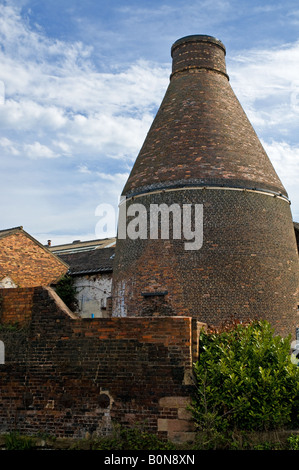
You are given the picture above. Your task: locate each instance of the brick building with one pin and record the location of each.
(24, 262)
(202, 150)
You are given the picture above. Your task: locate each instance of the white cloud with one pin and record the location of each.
(285, 159)
(53, 90)
(84, 169)
(25, 114)
(37, 150)
(108, 134)
(266, 83)
(8, 147)
(120, 177)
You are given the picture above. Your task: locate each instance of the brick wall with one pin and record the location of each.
(28, 263)
(16, 305)
(245, 268)
(69, 376)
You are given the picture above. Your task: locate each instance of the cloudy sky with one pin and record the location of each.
(81, 81)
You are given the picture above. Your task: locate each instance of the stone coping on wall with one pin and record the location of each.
(40, 306)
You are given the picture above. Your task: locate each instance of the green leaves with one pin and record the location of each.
(246, 380)
(67, 292)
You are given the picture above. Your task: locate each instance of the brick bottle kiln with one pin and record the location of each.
(201, 149)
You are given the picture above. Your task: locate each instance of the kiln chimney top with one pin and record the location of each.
(201, 135)
(198, 38)
(198, 51)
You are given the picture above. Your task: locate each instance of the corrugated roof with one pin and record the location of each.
(78, 246)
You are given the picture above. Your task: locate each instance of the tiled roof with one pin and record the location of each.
(9, 231)
(89, 262)
(19, 229)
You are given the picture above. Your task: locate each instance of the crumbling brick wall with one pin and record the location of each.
(69, 376)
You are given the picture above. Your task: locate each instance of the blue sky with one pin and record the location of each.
(80, 83)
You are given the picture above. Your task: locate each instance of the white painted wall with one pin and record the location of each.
(2, 353)
(7, 283)
(119, 308)
(92, 293)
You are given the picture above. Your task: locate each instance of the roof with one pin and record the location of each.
(14, 230)
(78, 246)
(10, 231)
(89, 262)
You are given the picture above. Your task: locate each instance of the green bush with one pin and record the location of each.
(14, 441)
(134, 438)
(293, 442)
(67, 292)
(245, 380)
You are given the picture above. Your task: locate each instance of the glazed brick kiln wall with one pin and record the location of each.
(27, 263)
(69, 376)
(244, 270)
